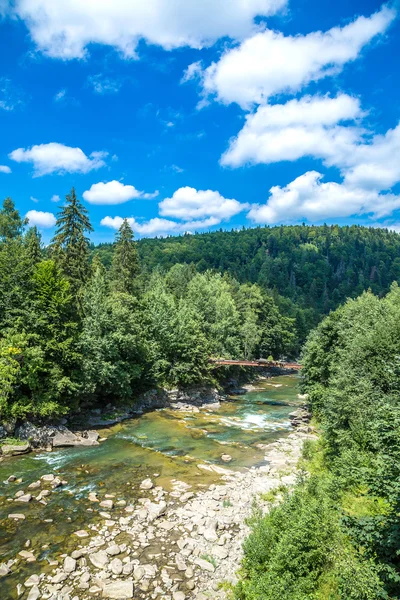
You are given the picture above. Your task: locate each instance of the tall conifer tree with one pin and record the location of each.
(125, 264)
(70, 245)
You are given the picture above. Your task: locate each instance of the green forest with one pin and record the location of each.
(337, 536)
(75, 333)
(308, 270)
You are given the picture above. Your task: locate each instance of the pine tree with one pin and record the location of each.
(70, 246)
(11, 224)
(33, 245)
(125, 264)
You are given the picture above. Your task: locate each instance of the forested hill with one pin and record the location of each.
(315, 267)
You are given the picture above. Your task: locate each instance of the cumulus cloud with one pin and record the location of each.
(65, 29)
(305, 127)
(307, 197)
(159, 227)
(57, 158)
(114, 192)
(374, 164)
(41, 219)
(5, 169)
(187, 203)
(55, 198)
(269, 63)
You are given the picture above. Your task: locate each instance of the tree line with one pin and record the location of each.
(337, 536)
(309, 270)
(75, 332)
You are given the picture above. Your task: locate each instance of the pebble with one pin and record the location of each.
(146, 484)
(69, 564)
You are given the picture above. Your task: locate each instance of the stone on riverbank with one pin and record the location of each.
(15, 449)
(118, 590)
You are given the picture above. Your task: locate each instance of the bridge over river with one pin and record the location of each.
(220, 362)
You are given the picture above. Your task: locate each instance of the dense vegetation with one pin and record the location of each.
(309, 270)
(73, 333)
(338, 535)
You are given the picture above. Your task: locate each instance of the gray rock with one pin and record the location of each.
(24, 498)
(116, 566)
(113, 550)
(156, 510)
(118, 590)
(32, 580)
(11, 478)
(146, 484)
(107, 504)
(204, 565)
(17, 516)
(178, 596)
(99, 559)
(69, 564)
(4, 570)
(14, 450)
(34, 593)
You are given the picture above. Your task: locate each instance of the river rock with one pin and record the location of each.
(34, 593)
(69, 564)
(226, 457)
(14, 450)
(116, 566)
(118, 590)
(113, 550)
(146, 484)
(108, 504)
(24, 498)
(204, 565)
(32, 580)
(99, 559)
(17, 516)
(4, 570)
(156, 510)
(178, 596)
(81, 533)
(34, 485)
(28, 556)
(11, 478)
(64, 437)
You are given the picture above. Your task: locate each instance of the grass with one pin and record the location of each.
(209, 559)
(12, 442)
(227, 503)
(271, 496)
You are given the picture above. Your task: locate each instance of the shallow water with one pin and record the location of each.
(168, 443)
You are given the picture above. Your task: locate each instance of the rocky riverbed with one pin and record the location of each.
(99, 530)
(170, 545)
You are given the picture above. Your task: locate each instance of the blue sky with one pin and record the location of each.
(188, 116)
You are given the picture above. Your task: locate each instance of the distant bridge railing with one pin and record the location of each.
(262, 362)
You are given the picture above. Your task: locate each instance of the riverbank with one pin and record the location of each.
(169, 544)
(80, 429)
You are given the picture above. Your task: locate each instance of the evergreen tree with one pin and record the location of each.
(125, 264)
(11, 224)
(33, 244)
(70, 246)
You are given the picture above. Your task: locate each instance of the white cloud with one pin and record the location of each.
(114, 192)
(65, 29)
(307, 197)
(305, 127)
(374, 164)
(10, 96)
(60, 95)
(55, 198)
(269, 63)
(159, 227)
(104, 85)
(41, 219)
(5, 169)
(34, 199)
(57, 158)
(188, 203)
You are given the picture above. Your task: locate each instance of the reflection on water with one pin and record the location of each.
(169, 443)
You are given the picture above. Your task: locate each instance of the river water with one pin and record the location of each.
(165, 444)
